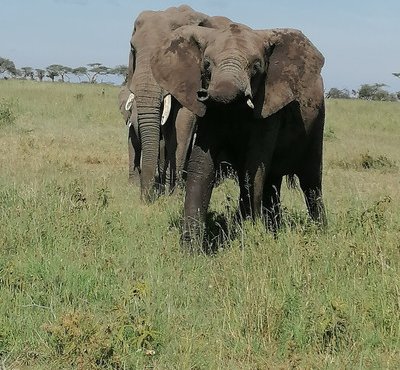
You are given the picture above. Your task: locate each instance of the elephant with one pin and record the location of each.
(158, 113)
(259, 99)
(129, 113)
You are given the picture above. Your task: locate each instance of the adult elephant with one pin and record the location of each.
(153, 104)
(259, 98)
(129, 113)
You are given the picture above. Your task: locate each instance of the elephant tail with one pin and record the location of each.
(291, 181)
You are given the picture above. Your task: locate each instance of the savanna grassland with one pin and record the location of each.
(90, 278)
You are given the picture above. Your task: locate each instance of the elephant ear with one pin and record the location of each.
(294, 66)
(131, 67)
(176, 66)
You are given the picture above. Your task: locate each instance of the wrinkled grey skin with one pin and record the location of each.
(259, 98)
(150, 30)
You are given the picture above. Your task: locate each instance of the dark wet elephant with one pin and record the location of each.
(259, 98)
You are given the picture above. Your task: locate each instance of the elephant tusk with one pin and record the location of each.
(166, 110)
(129, 102)
(250, 103)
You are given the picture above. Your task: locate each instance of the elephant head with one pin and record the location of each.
(153, 104)
(261, 70)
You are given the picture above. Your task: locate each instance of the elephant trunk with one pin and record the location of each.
(148, 106)
(229, 84)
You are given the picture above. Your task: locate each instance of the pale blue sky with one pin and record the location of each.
(359, 39)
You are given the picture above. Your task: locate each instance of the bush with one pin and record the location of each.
(335, 93)
(375, 92)
(7, 112)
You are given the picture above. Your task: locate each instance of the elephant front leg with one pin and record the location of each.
(251, 183)
(272, 203)
(184, 127)
(199, 185)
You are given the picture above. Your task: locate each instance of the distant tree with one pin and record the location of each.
(52, 72)
(120, 70)
(335, 93)
(59, 70)
(7, 67)
(79, 71)
(40, 74)
(396, 74)
(95, 70)
(375, 92)
(27, 72)
(91, 73)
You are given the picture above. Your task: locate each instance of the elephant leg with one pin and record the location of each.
(134, 153)
(168, 131)
(251, 184)
(257, 165)
(184, 128)
(310, 183)
(162, 166)
(310, 177)
(199, 185)
(272, 203)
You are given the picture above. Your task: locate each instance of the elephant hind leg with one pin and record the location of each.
(272, 203)
(310, 183)
(134, 154)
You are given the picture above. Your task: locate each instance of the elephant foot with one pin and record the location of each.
(192, 239)
(133, 178)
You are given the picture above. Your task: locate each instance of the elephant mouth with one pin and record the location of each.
(211, 98)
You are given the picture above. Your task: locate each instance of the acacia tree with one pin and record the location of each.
(59, 70)
(375, 92)
(91, 73)
(52, 72)
(95, 70)
(121, 70)
(335, 93)
(7, 67)
(79, 71)
(40, 73)
(27, 72)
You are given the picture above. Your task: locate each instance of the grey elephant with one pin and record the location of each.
(259, 98)
(129, 114)
(158, 113)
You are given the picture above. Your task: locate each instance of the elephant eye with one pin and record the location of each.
(256, 68)
(207, 69)
(206, 65)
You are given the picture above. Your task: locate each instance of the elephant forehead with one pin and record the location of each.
(241, 39)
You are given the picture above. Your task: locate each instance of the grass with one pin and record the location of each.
(90, 278)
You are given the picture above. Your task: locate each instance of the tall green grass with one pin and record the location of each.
(90, 278)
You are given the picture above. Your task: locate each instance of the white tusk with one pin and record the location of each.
(166, 110)
(129, 124)
(250, 103)
(129, 102)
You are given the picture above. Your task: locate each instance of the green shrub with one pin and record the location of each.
(7, 112)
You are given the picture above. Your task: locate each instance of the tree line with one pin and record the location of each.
(375, 91)
(92, 71)
(89, 73)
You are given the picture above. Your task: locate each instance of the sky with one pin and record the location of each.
(359, 38)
